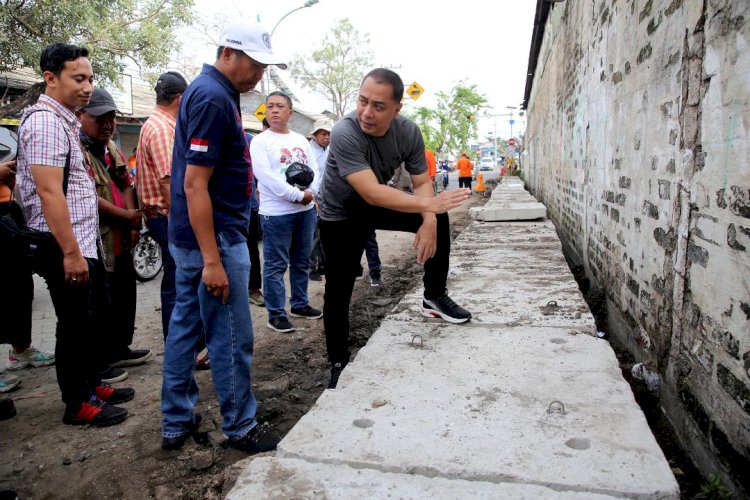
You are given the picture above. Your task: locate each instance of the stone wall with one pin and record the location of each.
(637, 142)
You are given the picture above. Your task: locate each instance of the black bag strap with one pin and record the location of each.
(66, 170)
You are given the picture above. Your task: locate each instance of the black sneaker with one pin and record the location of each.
(260, 438)
(280, 324)
(175, 443)
(134, 357)
(336, 370)
(112, 395)
(7, 409)
(315, 276)
(306, 312)
(445, 308)
(94, 412)
(375, 280)
(112, 375)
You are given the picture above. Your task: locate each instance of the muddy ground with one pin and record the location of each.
(41, 457)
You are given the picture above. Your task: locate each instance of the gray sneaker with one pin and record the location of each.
(256, 297)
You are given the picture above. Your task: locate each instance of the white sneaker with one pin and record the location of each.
(31, 356)
(8, 382)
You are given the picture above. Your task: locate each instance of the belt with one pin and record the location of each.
(152, 211)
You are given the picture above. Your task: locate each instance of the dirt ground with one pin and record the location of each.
(43, 458)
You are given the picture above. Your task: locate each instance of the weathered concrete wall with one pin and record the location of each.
(637, 142)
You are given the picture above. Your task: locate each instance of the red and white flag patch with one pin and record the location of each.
(200, 145)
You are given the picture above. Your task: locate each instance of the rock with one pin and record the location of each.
(18, 468)
(120, 434)
(28, 445)
(201, 460)
(81, 456)
(40, 468)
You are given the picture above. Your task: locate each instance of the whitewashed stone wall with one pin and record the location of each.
(637, 142)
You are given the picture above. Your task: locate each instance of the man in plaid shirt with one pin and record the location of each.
(59, 196)
(154, 166)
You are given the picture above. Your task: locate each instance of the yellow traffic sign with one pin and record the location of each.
(415, 90)
(260, 113)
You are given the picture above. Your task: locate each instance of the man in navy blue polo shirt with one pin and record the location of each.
(209, 215)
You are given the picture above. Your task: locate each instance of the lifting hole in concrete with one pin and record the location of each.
(414, 344)
(363, 423)
(552, 303)
(578, 443)
(556, 407)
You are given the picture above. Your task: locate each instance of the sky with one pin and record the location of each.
(435, 43)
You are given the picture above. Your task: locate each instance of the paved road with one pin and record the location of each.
(453, 178)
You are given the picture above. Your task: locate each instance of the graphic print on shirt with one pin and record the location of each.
(288, 157)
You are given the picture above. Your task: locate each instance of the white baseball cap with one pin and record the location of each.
(252, 39)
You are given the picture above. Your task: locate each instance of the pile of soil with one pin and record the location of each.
(43, 458)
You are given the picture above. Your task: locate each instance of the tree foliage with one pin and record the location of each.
(114, 31)
(453, 122)
(335, 69)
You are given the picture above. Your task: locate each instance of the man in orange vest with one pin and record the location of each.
(465, 169)
(431, 166)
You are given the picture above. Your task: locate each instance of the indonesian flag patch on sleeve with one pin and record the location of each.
(200, 145)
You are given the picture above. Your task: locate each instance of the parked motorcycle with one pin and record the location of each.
(147, 258)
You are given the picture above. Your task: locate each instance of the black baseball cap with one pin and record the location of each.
(171, 82)
(101, 103)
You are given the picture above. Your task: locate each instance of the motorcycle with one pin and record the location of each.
(147, 258)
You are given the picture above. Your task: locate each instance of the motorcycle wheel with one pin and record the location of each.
(147, 258)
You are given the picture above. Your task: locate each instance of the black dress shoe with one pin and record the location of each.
(175, 443)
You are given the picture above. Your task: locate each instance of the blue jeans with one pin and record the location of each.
(158, 227)
(287, 242)
(229, 338)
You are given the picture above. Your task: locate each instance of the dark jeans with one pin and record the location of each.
(120, 323)
(464, 182)
(79, 313)
(158, 227)
(253, 237)
(16, 295)
(373, 254)
(16, 291)
(317, 257)
(343, 244)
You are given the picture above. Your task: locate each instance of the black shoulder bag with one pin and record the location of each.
(17, 239)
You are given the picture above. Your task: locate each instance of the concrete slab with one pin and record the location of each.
(510, 211)
(515, 274)
(472, 403)
(283, 478)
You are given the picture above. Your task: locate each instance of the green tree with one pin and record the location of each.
(114, 31)
(452, 123)
(335, 69)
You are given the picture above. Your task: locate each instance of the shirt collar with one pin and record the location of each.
(217, 75)
(61, 110)
(164, 115)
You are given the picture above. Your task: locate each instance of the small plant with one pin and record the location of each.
(714, 489)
